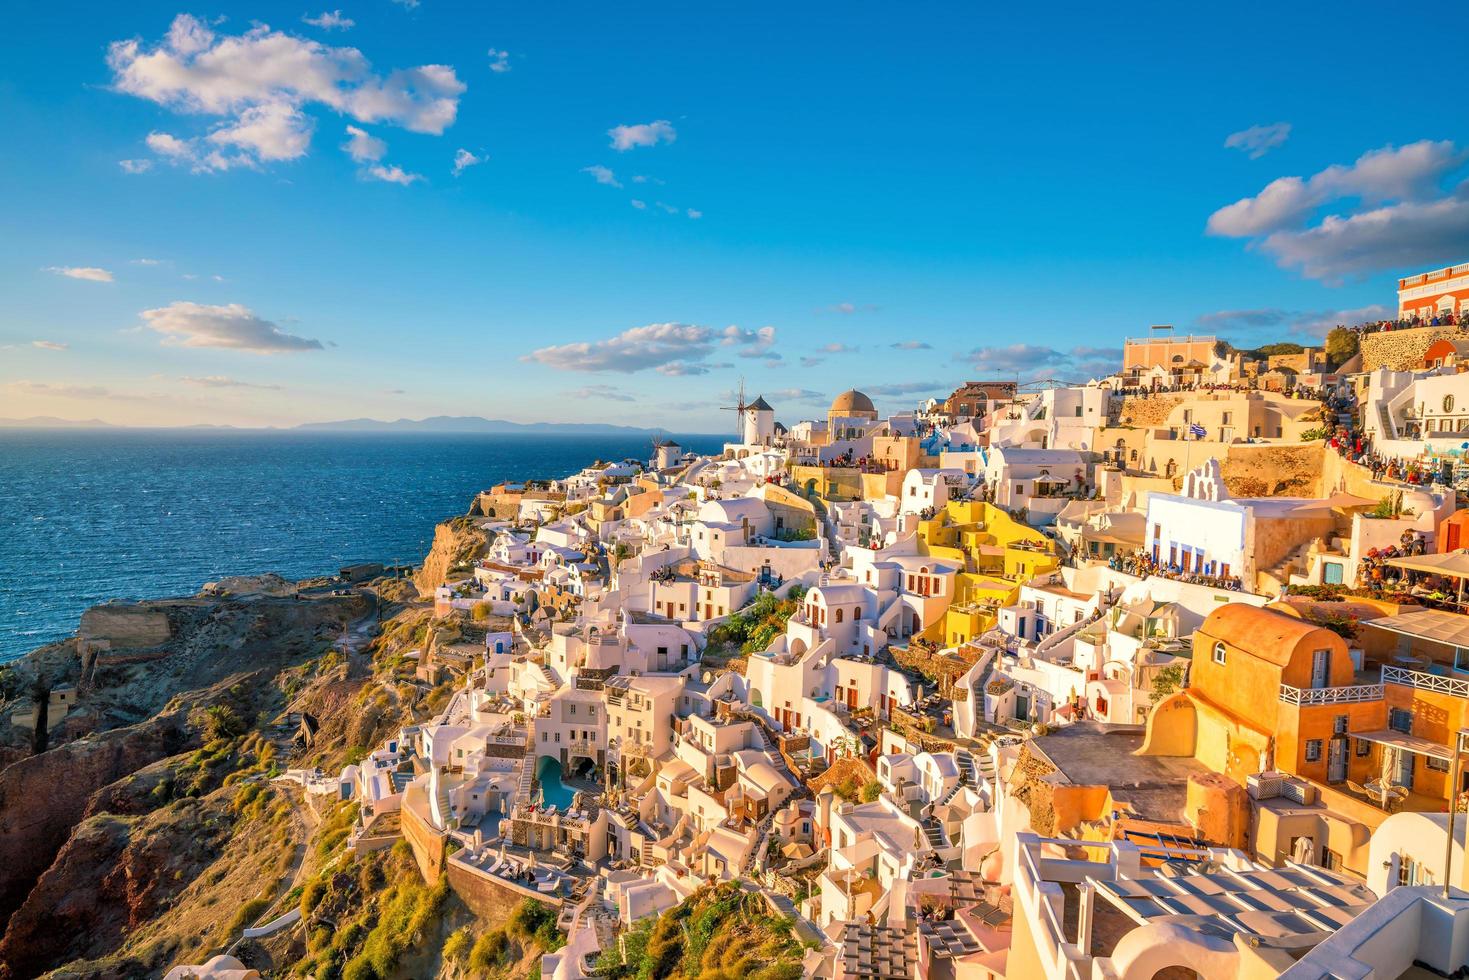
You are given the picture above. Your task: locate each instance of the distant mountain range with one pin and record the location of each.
(437, 423)
(51, 422)
(469, 423)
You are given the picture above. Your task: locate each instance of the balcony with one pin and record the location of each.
(1419, 680)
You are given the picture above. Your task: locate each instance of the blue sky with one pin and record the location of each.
(191, 233)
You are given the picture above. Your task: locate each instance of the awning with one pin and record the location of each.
(1434, 625)
(1454, 564)
(1408, 743)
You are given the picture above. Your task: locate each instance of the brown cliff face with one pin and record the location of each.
(455, 541)
(43, 797)
(89, 852)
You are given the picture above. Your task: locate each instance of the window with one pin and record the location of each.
(1313, 750)
(1339, 725)
(1364, 747)
(1219, 653)
(1228, 418)
(1400, 720)
(1436, 764)
(1019, 489)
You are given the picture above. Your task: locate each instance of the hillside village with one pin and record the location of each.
(1162, 674)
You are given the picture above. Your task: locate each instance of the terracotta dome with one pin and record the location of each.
(852, 402)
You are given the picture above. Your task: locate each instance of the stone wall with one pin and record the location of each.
(490, 897)
(426, 842)
(124, 627)
(1149, 412)
(1402, 350)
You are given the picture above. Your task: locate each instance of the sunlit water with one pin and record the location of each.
(94, 515)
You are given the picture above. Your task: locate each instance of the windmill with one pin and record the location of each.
(739, 410)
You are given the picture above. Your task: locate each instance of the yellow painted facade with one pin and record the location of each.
(997, 554)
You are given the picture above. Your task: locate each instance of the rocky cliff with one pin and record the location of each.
(456, 541)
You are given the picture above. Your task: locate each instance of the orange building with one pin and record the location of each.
(1270, 692)
(1430, 293)
(1183, 358)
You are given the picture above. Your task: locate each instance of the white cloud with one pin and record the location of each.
(89, 273)
(669, 348)
(1258, 140)
(259, 82)
(50, 345)
(811, 362)
(407, 4)
(147, 261)
(463, 160)
(602, 175)
(362, 146)
(640, 205)
(787, 395)
(901, 388)
(1077, 364)
(391, 174)
(135, 166)
(1394, 213)
(499, 61)
(223, 381)
(911, 345)
(642, 134)
(331, 20)
(694, 214)
(665, 208)
(233, 327)
(835, 348)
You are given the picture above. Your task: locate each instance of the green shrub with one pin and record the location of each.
(458, 945)
(489, 951)
(247, 914)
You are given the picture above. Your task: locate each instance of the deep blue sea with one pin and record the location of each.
(87, 516)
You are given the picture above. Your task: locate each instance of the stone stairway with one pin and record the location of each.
(933, 832)
(762, 842)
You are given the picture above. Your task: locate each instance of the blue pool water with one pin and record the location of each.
(553, 791)
(87, 516)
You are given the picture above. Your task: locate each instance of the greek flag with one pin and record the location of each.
(1197, 431)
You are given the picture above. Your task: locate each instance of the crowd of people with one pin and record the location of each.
(1143, 565)
(1448, 318)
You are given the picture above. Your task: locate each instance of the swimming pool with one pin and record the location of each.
(553, 791)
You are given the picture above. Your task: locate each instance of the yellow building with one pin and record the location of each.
(998, 555)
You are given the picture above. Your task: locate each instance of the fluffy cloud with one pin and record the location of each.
(1078, 363)
(221, 381)
(607, 392)
(362, 146)
(911, 345)
(642, 134)
(88, 272)
(602, 175)
(463, 160)
(785, 395)
(135, 166)
(694, 213)
(233, 327)
(1394, 213)
(258, 84)
(50, 345)
(640, 205)
(391, 174)
(331, 20)
(499, 61)
(1313, 324)
(835, 348)
(901, 388)
(368, 150)
(675, 349)
(1257, 141)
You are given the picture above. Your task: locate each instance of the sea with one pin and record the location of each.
(92, 515)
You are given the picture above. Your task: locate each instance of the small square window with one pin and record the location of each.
(1313, 750)
(1364, 747)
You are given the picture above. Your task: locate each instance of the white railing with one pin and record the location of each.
(1330, 695)
(1424, 681)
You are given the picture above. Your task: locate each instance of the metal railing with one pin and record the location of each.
(1348, 694)
(1423, 681)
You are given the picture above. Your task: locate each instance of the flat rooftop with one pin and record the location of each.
(1094, 754)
